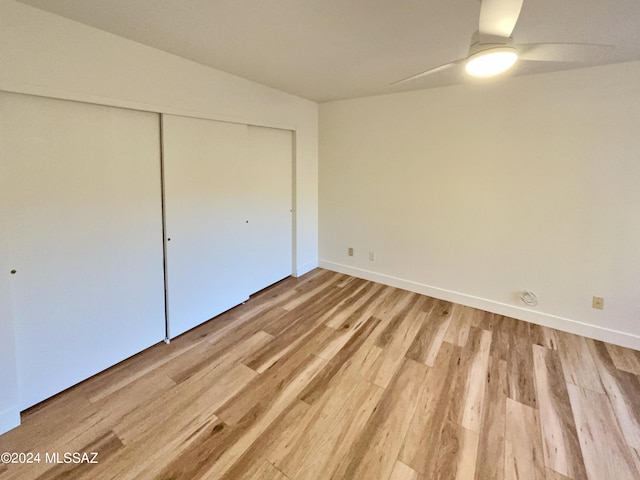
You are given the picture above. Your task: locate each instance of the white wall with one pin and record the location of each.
(473, 193)
(43, 54)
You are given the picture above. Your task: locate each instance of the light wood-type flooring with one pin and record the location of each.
(332, 377)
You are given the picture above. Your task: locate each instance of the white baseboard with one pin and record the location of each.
(565, 324)
(9, 419)
(306, 268)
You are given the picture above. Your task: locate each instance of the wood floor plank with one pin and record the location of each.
(223, 370)
(457, 453)
(319, 290)
(266, 445)
(350, 323)
(577, 362)
(394, 341)
(624, 358)
(235, 326)
(402, 471)
(133, 398)
(623, 391)
(339, 361)
(553, 475)
(560, 439)
(77, 436)
(103, 447)
(274, 320)
(340, 388)
(364, 358)
(490, 462)
(374, 453)
(422, 441)
(458, 330)
(543, 336)
(317, 305)
(523, 444)
(268, 472)
(395, 301)
(361, 305)
(209, 358)
(300, 323)
(282, 387)
(196, 397)
(606, 455)
(393, 329)
(161, 464)
(267, 356)
(325, 443)
(434, 326)
(319, 276)
(212, 458)
(173, 425)
(635, 454)
(500, 328)
(470, 381)
(241, 322)
(520, 364)
(269, 385)
(126, 373)
(50, 420)
(368, 356)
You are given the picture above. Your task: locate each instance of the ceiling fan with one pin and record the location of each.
(493, 50)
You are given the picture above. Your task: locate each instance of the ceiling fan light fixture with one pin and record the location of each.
(491, 61)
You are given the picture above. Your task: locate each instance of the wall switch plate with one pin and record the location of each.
(372, 256)
(350, 251)
(598, 303)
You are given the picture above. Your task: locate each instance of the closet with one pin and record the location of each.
(228, 202)
(127, 227)
(84, 231)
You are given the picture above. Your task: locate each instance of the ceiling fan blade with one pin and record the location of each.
(430, 72)
(499, 17)
(563, 52)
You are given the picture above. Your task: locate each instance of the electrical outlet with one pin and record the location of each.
(372, 256)
(350, 251)
(598, 303)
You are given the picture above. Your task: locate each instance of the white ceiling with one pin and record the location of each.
(332, 49)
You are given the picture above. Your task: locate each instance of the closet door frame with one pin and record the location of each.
(204, 220)
(272, 197)
(201, 161)
(142, 109)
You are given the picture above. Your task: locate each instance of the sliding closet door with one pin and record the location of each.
(269, 178)
(85, 237)
(207, 219)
